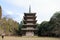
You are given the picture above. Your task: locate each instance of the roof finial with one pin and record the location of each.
(29, 9)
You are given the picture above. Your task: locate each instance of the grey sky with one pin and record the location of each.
(44, 8)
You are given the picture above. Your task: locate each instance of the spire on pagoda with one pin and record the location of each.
(29, 9)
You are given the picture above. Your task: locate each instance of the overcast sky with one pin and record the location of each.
(16, 8)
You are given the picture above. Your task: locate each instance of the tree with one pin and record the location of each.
(42, 29)
(18, 32)
(8, 26)
(50, 28)
(55, 21)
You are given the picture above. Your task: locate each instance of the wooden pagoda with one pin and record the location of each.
(29, 24)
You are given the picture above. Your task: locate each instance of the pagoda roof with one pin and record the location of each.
(28, 29)
(29, 24)
(29, 13)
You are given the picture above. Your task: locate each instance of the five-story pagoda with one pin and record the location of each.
(29, 24)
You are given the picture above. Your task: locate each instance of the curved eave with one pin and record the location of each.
(29, 29)
(29, 13)
(29, 16)
(29, 25)
(30, 20)
(25, 17)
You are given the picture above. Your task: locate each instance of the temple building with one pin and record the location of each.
(29, 24)
(0, 12)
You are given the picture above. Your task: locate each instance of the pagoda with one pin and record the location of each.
(29, 24)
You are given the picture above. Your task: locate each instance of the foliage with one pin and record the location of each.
(50, 28)
(18, 32)
(8, 26)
